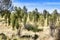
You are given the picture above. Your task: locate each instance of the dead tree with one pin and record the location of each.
(52, 28)
(57, 35)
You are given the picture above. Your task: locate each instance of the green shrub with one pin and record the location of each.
(15, 39)
(33, 28)
(4, 37)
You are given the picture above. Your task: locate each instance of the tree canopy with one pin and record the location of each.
(5, 4)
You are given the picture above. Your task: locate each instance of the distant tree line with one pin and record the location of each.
(22, 15)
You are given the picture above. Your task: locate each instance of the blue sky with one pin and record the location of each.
(49, 5)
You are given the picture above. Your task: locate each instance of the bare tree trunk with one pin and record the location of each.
(57, 37)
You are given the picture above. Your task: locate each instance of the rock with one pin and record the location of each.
(27, 33)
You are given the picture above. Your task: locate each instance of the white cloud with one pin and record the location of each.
(26, 4)
(40, 6)
(36, 4)
(51, 3)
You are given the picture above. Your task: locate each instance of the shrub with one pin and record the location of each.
(32, 28)
(15, 39)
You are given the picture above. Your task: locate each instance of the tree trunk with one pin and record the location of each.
(57, 37)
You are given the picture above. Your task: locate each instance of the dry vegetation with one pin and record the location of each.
(23, 25)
